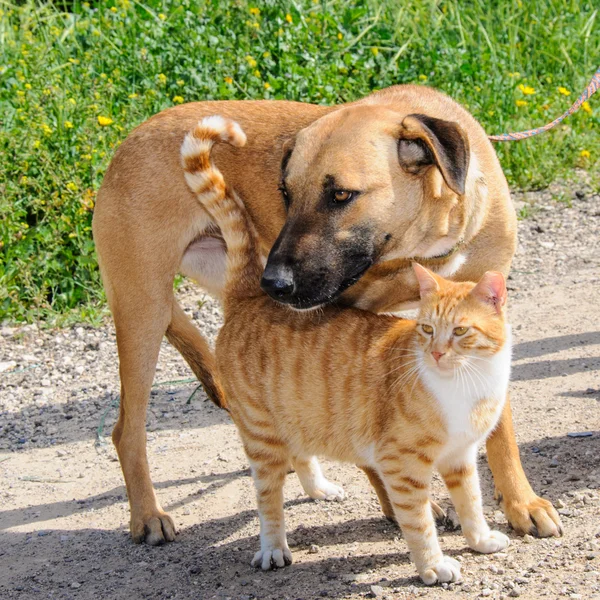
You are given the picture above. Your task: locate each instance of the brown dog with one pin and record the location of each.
(414, 177)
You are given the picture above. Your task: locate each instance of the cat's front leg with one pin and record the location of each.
(461, 479)
(408, 491)
(269, 472)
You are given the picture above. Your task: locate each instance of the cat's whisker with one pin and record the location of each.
(401, 366)
(406, 376)
(478, 372)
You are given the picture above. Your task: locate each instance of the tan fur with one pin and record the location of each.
(147, 221)
(344, 386)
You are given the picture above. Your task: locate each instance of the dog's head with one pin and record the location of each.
(361, 185)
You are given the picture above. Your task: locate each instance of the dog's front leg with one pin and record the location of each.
(524, 509)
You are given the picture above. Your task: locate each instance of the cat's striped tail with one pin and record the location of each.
(244, 268)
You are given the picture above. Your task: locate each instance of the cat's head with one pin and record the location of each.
(459, 322)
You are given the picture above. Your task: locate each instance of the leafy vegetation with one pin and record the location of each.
(76, 77)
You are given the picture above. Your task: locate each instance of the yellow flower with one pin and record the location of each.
(132, 96)
(527, 90)
(162, 16)
(266, 54)
(522, 103)
(585, 107)
(219, 61)
(72, 186)
(23, 180)
(491, 113)
(477, 89)
(267, 85)
(72, 101)
(20, 93)
(251, 62)
(36, 144)
(178, 99)
(340, 36)
(113, 9)
(288, 18)
(103, 75)
(104, 121)
(162, 78)
(68, 125)
(229, 80)
(74, 61)
(423, 77)
(28, 87)
(516, 75)
(46, 129)
(255, 11)
(180, 82)
(585, 154)
(375, 51)
(72, 234)
(86, 156)
(280, 31)
(564, 91)
(256, 73)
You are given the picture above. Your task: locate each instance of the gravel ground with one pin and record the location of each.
(64, 514)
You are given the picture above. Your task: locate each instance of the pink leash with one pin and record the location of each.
(591, 89)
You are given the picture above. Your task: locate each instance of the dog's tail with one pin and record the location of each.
(244, 269)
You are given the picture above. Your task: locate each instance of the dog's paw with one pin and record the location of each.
(154, 529)
(272, 558)
(491, 542)
(532, 514)
(446, 571)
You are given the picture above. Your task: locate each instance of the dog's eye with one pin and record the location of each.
(342, 196)
(285, 195)
(427, 329)
(460, 330)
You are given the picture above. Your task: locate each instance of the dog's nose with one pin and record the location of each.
(437, 355)
(278, 281)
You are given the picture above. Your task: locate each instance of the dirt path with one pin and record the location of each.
(64, 515)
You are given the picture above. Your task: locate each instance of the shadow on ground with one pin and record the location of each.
(206, 562)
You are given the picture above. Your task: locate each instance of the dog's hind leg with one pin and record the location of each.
(140, 327)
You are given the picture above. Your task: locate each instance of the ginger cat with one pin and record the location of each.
(401, 396)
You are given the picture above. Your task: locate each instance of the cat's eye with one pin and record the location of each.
(427, 329)
(342, 196)
(460, 330)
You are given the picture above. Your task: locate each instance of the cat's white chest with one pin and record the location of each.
(471, 404)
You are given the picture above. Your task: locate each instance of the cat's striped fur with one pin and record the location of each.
(403, 397)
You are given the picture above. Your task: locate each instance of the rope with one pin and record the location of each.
(591, 89)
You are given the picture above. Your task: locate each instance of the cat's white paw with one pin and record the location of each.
(446, 571)
(494, 541)
(325, 490)
(272, 558)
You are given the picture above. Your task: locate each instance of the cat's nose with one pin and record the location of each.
(278, 281)
(437, 355)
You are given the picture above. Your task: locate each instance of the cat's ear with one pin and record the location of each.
(427, 280)
(491, 289)
(426, 141)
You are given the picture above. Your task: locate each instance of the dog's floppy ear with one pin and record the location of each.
(426, 140)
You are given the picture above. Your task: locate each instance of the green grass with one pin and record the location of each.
(75, 78)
